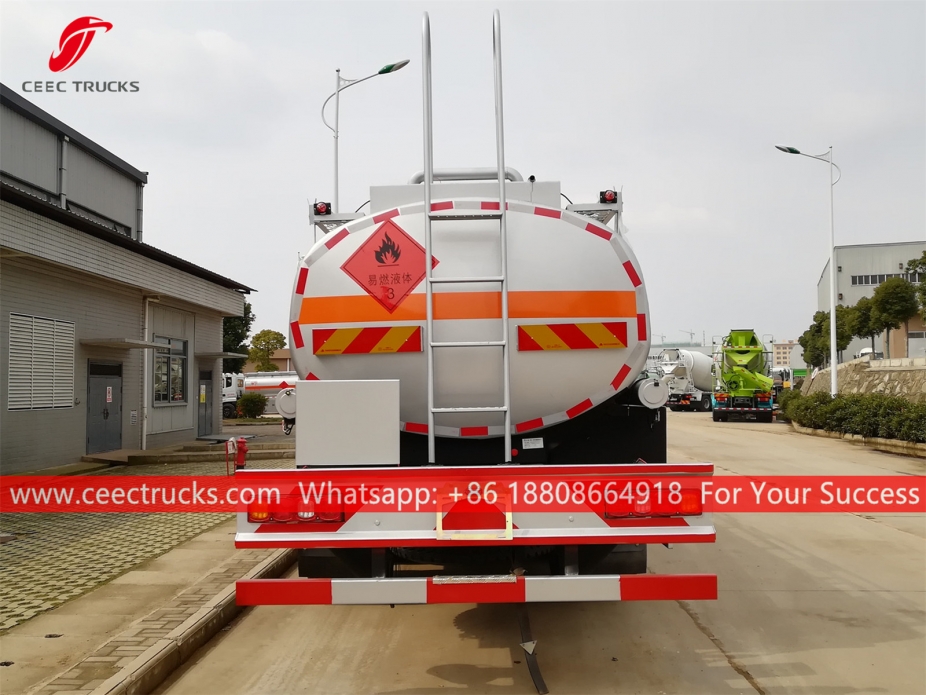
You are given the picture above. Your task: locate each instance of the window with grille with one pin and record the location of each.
(41, 363)
(170, 371)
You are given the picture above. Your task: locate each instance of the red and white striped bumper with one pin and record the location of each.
(483, 589)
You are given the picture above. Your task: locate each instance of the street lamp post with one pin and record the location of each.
(827, 157)
(340, 85)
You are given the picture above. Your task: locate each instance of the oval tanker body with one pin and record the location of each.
(578, 318)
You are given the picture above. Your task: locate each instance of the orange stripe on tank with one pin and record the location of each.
(472, 305)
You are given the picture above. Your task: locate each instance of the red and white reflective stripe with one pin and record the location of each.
(485, 589)
(752, 410)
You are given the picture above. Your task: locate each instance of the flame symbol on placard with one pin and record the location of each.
(75, 40)
(388, 253)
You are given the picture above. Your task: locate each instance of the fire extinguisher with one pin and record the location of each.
(241, 453)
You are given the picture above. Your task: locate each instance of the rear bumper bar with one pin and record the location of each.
(481, 589)
(724, 409)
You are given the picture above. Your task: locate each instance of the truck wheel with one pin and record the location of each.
(764, 417)
(705, 405)
(228, 410)
(717, 416)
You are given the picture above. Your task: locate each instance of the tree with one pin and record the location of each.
(864, 325)
(894, 303)
(235, 331)
(815, 348)
(845, 318)
(263, 345)
(816, 339)
(918, 265)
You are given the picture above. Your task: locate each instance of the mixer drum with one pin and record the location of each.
(578, 317)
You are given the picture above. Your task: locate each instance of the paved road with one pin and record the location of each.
(823, 604)
(53, 558)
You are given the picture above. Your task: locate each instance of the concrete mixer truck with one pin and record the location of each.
(742, 382)
(687, 374)
(473, 422)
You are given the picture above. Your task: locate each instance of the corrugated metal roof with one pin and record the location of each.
(27, 109)
(29, 201)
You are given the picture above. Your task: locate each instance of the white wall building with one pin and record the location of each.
(859, 270)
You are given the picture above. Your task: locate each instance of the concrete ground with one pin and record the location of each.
(817, 603)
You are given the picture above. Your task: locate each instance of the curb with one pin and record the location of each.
(152, 667)
(891, 446)
(208, 456)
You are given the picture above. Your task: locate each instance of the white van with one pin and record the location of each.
(864, 352)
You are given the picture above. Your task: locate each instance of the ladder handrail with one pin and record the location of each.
(428, 179)
(502, 206)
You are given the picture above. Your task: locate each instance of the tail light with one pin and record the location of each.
(692, 504)
(322, 208)
(329, 510)
(658, 504)
(306, 511)
(258, 512)
(620, 509)
(607, 197)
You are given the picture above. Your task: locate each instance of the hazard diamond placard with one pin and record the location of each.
(388, 265)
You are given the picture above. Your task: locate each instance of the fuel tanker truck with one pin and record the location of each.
(688, 376)
(473, 422)
(742, 382)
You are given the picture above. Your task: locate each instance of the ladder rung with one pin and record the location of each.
(494, 278)
(470, 343)
(484, 409)
(466, 216)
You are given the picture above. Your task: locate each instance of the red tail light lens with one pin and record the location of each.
(692, 504)
(331, 508)
(618, 509)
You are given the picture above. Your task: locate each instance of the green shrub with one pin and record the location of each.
(785, 401)
(252, 405)
(868, 415)
(912, 427)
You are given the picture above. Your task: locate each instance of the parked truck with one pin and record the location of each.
(232, 389)
(269, 384)
(472, 340)
(687, 375)
(742, 383)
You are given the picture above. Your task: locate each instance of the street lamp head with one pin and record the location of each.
(789, 150)
(392, 67)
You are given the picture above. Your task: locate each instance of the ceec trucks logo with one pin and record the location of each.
(74, 42)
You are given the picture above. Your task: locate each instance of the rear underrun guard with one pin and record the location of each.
(476, 589)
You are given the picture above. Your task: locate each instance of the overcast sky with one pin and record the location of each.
(678, 103)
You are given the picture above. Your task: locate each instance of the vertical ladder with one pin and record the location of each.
(431, 217)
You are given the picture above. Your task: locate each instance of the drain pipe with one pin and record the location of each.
(146, 375)
(63, 174)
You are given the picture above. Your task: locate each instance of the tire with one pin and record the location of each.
(717, 416)
(705, 405)
(765, 417)
(228, 410)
